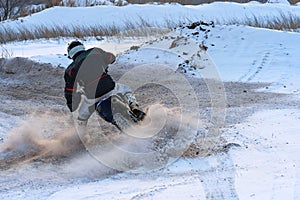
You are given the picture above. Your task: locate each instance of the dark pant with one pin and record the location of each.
(103, 108)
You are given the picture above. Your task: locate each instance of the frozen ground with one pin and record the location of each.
(256, 156)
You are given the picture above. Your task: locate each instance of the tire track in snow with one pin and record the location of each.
(219, 181)
(256, 69)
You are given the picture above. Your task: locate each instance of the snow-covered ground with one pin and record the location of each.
(264, 126)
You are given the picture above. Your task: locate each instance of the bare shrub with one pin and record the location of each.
(10, 9)
(293, 2)
(51, 3)
(187, 2)
(69, 3)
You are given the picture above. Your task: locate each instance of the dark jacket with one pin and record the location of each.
(89, 69)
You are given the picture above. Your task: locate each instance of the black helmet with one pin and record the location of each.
(75, 47)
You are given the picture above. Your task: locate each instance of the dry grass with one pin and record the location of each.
(284, 22)
(137, 29)
(8, 34)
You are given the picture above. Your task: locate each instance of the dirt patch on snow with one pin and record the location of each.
(30, 89)
(46, 146)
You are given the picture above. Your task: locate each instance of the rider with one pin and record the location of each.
(88, 75)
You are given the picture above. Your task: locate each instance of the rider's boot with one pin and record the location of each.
(140, 115)
(134, 107)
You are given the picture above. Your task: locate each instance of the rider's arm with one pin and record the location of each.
(72, 97)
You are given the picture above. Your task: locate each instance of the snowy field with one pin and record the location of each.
(260, 72)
